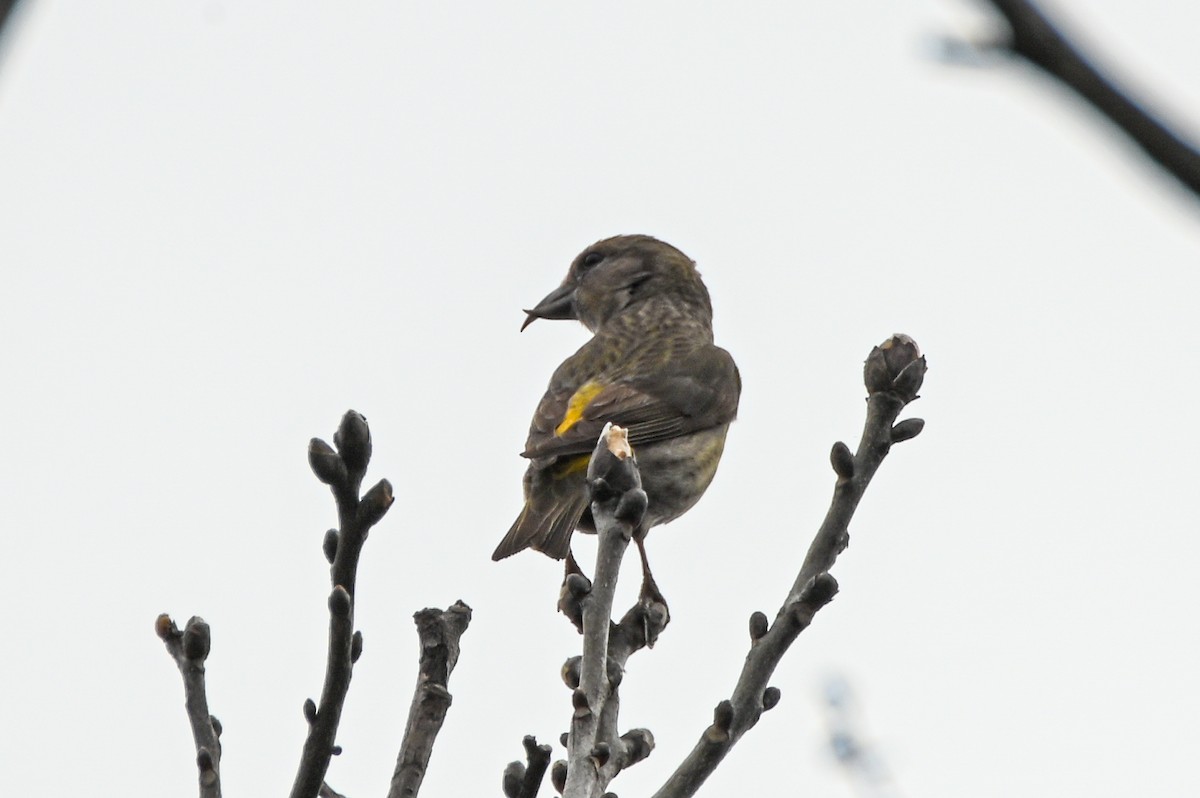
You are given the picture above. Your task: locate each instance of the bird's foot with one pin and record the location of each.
(655, 613)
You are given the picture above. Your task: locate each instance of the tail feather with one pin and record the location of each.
(516, 539)
(548, 531)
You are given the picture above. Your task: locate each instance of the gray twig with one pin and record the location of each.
(595, 753)
(189, 649)
(439, 632)
(893, 374)
(343, 470)
(523, 780)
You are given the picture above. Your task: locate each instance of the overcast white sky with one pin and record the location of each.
(222, 224)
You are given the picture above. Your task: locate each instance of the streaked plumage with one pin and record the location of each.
(651, 367)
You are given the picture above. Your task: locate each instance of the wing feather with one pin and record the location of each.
(698, 392)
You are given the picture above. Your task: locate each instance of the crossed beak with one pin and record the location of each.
(558, 304)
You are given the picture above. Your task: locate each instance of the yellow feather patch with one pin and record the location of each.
(577, 404)
(572, 466)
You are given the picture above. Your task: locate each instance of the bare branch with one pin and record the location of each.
(618, 503)
(7, 19)
(893, 374)
(343, 470)
(189, 649)
(524, 780)
(1040, 42)
(439, 632)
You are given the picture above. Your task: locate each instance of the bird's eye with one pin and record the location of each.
(591, 259)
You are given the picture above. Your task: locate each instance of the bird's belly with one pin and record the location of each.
(676, 472)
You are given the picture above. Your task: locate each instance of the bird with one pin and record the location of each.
(651, 366)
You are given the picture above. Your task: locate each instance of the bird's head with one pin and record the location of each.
(619, 273)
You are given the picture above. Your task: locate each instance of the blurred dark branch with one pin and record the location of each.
(189, 649)
(1036, 39)
(6, 9)
(893, 374)
(343, 470)
(11, 12)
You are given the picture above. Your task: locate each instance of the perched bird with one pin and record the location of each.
(651, 366)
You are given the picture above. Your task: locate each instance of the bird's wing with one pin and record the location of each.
(697, 392)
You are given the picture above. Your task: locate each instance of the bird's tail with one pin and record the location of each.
(547, 529)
